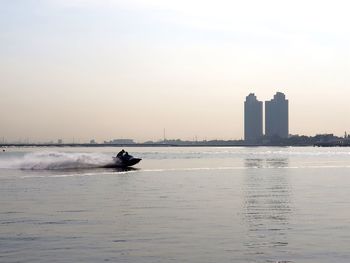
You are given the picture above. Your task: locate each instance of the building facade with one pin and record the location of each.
(253, 118)
(276, 116)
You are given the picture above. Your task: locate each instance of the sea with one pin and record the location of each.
(179, 204)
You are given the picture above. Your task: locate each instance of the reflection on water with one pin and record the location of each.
(277, 162)
(266, 163)
(267, 207)
(254, 163)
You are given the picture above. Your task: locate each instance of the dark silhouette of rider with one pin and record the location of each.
(120, 154)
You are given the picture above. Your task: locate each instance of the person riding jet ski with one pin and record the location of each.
(121, 153)
(124, 159)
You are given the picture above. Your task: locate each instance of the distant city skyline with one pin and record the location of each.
(277, 116)
(253, 118)
(88, 69)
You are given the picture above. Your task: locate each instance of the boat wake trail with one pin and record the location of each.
(56, 161)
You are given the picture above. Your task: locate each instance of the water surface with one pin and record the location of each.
(265, 204)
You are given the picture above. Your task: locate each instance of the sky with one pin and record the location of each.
(94, 69)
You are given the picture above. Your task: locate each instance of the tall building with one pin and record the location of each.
(253, 118)
(276, 116)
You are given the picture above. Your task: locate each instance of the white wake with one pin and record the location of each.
(56, 161)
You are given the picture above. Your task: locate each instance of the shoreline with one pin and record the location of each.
(88, 145)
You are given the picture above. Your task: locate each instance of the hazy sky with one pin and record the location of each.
(127, 69)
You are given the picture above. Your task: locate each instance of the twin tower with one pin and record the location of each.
(276, 117)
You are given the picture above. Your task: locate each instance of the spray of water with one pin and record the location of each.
(56, 161)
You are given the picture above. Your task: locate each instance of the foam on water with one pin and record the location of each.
(55, 161)
(78, 174)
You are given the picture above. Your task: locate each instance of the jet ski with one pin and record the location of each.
(123, 161)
